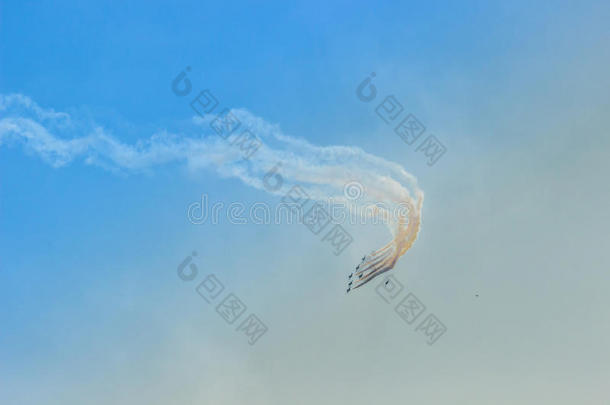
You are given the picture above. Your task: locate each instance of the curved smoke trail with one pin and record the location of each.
(60, 138)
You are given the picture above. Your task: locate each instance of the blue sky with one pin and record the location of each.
(515, 211)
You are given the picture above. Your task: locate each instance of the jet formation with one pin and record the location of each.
(372, 265)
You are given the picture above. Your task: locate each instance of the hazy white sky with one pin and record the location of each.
(512, 256)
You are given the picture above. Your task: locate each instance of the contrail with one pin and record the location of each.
(60, 138)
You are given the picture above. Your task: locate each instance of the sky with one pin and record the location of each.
(511, 257)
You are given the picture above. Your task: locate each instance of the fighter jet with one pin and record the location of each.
(372, 265)
(358, 266)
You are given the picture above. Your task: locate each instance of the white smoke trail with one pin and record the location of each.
(58, 138)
